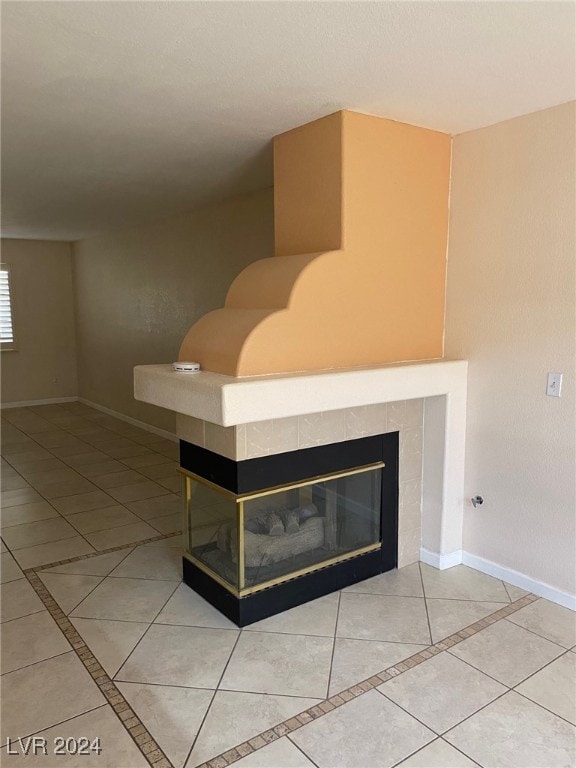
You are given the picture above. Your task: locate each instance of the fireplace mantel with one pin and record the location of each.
(228, 401)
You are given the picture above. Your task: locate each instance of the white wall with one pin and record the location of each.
(43, 364)
(139, 290)
(511, 313)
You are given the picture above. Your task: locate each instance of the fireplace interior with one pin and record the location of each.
(267, 534)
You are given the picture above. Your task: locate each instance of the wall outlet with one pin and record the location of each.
(554, 386)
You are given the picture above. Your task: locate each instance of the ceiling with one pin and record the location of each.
(116, 112)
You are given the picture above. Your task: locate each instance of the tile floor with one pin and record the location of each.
(129, 654)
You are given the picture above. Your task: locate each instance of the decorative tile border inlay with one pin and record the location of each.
(143, 738)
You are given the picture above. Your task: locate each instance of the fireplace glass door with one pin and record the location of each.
(251, 541)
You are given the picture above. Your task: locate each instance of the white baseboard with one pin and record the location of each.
(28, 403)
(509, 575)
(520, 580)
(135, 422)
(441, 561)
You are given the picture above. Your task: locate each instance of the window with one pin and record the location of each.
(6, 323)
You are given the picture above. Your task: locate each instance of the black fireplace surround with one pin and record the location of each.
(253, 475)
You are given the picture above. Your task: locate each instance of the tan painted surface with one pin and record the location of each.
(43, 365)
(139, 289)
(376, 193)
(511, 313)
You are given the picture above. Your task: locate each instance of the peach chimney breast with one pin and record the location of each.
(358, 276)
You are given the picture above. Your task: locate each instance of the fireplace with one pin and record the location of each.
(266, 534)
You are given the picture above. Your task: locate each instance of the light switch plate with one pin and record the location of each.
(554, 386)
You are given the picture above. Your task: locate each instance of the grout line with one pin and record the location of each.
(209, 707)
(334, 638)
(425, 602)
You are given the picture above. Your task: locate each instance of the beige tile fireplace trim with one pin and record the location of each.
(342, 404)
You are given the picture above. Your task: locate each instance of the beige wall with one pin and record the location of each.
(511, 312)
(43, 365)
(139, 290)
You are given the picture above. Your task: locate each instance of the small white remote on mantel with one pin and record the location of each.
(185, 367)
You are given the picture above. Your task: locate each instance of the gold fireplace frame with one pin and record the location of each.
(239, 500)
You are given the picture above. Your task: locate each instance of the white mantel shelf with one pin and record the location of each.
(229, 401)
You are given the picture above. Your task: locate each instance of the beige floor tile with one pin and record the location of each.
(14, 482)
(442, 691)
(462, 583)
(126, 534)
(157, 507)
(554, 687)
(17, 598)
(174, 484)
(167, 523)
(507, 652)
(42, 554)
(41, 532)
(438, 754)
(68, 488)
(287, 665)
(9, 570)
(25, 453)
(357, 660)
(187, 608)
(39, 466)
(86, 458)
(172, 715)
(137, 491)
(67, 589)
(44, 694)
(101, 468)
(145, 460)
(100, 565)
(405, 582)
(187, 656)
(549, 620)
(30, 639)
(121, 449)
(515, 593)
(53, 476)
(280, 754)
(369, 731)
(126, 600)
(516, 733)
(3, 547)
(449, 616)
(102, 519)
(118, 748)
(236, 717)
(318, 617)
(27, 513)
(389, 619)
(160, 471)
(22, 496)
(114, 479)
(110, 641)
(161, 563)
(66, 451)
(84, 502)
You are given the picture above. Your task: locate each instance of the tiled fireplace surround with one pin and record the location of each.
(430, 419)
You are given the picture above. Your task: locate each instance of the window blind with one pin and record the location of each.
(6, 327)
